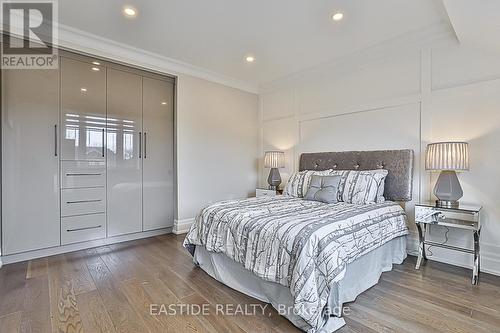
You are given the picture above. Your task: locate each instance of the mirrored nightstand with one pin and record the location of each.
(264, 192)
(463, 217)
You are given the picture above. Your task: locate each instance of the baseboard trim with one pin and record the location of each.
(182, 226)
(13, 258)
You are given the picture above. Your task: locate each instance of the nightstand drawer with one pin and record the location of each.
(261, 192)
(421, 212)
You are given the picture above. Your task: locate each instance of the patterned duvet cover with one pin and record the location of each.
(302, 245)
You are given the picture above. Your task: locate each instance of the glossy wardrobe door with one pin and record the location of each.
(124, 160)
(30, 162)
(83, 110)
(158, 162)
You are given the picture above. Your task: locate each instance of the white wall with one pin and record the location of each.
(217, 145)
(399, 97)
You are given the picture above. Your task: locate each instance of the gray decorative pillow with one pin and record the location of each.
(298, 183)
(323, 189)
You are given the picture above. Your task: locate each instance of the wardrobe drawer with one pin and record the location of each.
(82, 228)
(81, 201)
(76, 174)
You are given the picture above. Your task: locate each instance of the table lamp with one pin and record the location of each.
(447, 157)
(274, 160)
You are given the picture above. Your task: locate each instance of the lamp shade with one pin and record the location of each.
(447, 156)
(274, 159)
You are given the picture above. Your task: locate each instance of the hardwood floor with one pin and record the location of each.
(110, 289)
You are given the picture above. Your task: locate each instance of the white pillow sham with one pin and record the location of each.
(362, 187)
(356, 187)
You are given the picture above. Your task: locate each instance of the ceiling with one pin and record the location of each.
(476, 24)
(285, 36)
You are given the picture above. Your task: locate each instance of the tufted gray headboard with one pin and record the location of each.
(399, 163)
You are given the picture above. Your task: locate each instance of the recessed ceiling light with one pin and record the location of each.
(95, 69)
(97, 63)
(163, 103)
(250, 59)
(83, 89)
(129, 11)
(337, 16)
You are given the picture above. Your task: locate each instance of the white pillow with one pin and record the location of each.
(380, 193)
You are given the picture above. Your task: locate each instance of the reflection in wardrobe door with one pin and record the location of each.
(124, 165)
(158, 163)
(83, 110)
(30, 161)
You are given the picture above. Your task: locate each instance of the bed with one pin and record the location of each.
(308, 258)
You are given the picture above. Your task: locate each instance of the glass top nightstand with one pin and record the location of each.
(463, 217)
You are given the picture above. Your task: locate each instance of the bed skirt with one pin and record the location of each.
(359, 276)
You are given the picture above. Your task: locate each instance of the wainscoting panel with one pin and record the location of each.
(386, 128)
(280, 134)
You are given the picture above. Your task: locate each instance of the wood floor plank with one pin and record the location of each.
(217, 293)
(37, 267)
(123, 264)
(36, 308)
(124, 318)
(438, 318)
(10, 323)
(94, 316)
(141, 303)
(12, 283)
(451, 293)
(76, 269)
(64, 313)
(212, 321)
(459, 309)
(179, 322)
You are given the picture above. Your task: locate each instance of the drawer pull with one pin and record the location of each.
(83, 174)
(83, 201)
(85, 228)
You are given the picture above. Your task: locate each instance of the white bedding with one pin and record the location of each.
(302, 245)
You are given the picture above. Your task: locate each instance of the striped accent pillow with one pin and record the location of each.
(361, 187)
(299, 182)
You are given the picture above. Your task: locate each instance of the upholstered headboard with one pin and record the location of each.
(399, 163)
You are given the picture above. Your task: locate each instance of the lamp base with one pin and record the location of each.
(274, 179)
(447, 204)
(448, 190)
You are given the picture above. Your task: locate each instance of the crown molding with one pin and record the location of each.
(411, 41)
(81, 41)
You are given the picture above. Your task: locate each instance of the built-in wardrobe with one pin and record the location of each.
(87, 153)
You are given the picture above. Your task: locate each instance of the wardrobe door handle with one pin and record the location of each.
(140, 144)
(145, 145)
(103, 142)
(55, 140)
